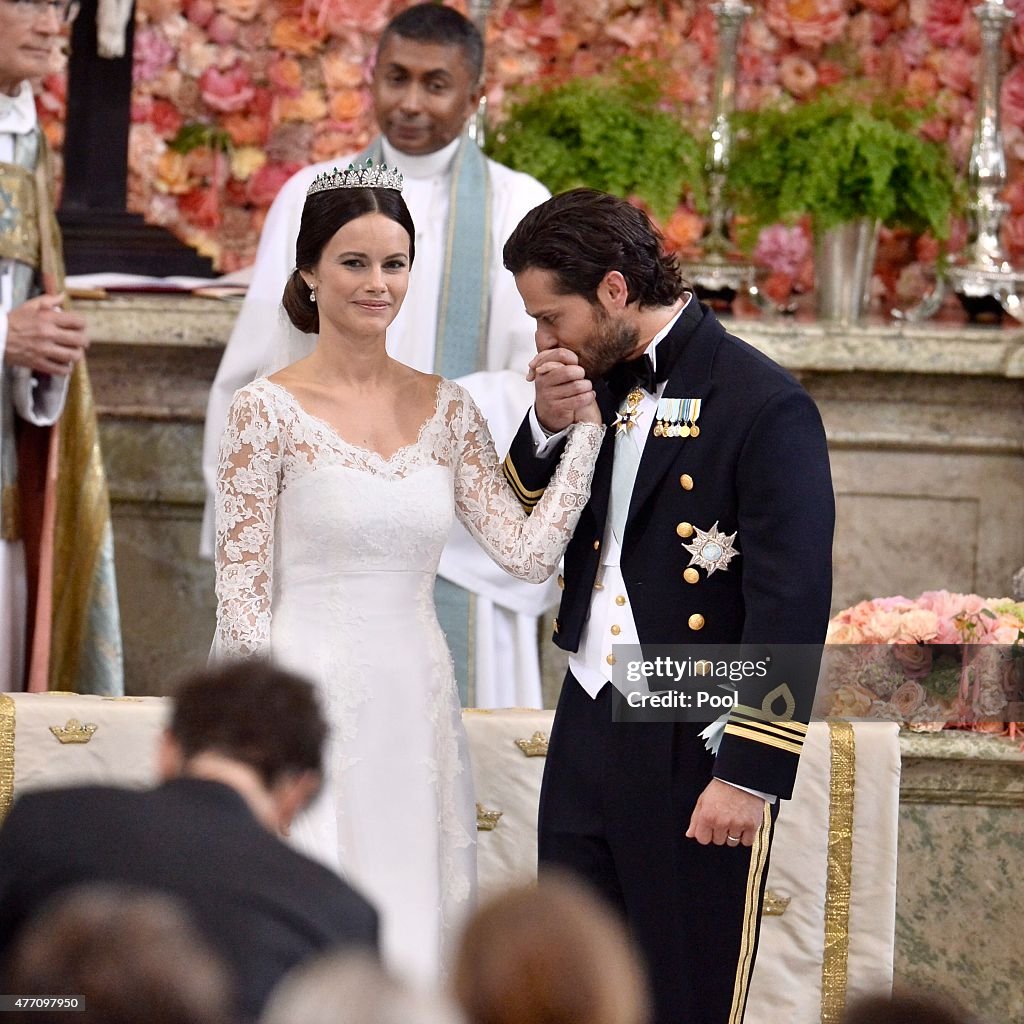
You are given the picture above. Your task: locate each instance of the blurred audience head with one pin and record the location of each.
(253, 726)
(549, 953)
(347, 988)
(906, 1008)
(130, 955)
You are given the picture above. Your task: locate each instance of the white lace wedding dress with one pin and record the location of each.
(326, 557)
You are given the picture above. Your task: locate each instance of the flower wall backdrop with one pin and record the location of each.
(231, 96)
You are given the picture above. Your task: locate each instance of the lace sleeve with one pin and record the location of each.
(527, 546)
(248, 481)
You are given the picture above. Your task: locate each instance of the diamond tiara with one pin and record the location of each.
(366, 176)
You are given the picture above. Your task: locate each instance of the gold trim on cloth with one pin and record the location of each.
(535, 746)
(19, 220)
(7, 713)
(751, 916)
(840, 871)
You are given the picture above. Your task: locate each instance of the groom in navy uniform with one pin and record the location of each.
(710, 522)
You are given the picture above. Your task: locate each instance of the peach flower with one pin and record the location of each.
(241, 10)
(683, 228)
(342, 71)
(851, 701)
(908, 698)
(347, 105)
(172, 173)
(914, 659)
(955, 69)
(809, 23)
(285, 76)
(200, 12)
(293, 35)
(246, 129)
(797, 75)
(309, 105)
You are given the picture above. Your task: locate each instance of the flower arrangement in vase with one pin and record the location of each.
(944, 660)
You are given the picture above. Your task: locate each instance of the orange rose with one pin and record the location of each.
(240, 10)
(347, 105)
(683, 228)
(246, 129)
(293, 35)
(285, 75)
(172, 173)
(308, 106)
(341, 71)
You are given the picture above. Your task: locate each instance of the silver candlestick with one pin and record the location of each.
(721, 269)
(476, 126)
(982, 275)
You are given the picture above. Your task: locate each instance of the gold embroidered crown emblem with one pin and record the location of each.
(369, 175)
(486, 820)
(535, 746)
(74, 731)
(774, 904)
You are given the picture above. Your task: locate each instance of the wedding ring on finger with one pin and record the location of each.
(732, 840)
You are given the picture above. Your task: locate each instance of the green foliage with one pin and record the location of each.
(609, 133)
(195, 134)
(838, 159)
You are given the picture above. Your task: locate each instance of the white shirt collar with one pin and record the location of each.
(651, 349)
(18, 112)
(430, 165)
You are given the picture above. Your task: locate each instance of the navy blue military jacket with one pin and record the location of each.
(758, 468)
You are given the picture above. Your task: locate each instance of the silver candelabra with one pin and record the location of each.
(982, 275)
(476, 126)
(720, 268)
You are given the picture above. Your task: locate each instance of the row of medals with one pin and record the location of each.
(664, 428)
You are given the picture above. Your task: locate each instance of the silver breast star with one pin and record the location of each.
(711, 549)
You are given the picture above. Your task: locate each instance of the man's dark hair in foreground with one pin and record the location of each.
(241, 757)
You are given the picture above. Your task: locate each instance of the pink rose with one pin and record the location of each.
(222, 30)
(945, 22)
(797, 75)
(151, 55)
(956, 69)
(782, 249)
(200, 12)
(851, 701)
(1013, 96)
(914, 46)
(810, 23)
(226, 91)
(267, 182)
(914, 659)
(908, 698)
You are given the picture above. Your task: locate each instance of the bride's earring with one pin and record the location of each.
(312, 295)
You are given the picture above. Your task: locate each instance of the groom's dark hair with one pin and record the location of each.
(581, 235)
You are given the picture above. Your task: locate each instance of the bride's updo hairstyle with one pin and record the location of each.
(323, 214)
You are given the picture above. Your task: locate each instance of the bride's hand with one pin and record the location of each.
(590, 413)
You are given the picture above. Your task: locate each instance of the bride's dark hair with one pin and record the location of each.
(322, 215)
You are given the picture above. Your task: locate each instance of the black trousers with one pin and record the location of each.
(615, 804)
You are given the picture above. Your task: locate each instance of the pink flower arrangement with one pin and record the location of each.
(942, 660)
(257, 70)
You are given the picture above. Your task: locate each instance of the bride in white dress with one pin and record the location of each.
(338, 480)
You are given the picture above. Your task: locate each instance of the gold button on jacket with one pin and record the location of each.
(691, 575)
(684, 530)
(695, 621)
(686, 482)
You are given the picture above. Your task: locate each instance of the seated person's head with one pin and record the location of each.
(130, 955)
(905, 1008)
(253, 726)
(427, 79)
(346, 988)
(551, 953)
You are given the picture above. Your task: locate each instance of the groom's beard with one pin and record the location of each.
(613, 339)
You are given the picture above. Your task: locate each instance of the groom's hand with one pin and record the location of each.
(564, 395)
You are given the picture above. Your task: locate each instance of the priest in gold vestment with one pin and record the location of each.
(59, 623)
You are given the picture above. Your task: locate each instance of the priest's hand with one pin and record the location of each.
(725, 815)
(564, 395)
(44, 337)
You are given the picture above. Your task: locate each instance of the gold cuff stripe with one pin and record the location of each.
(770, 741)
(839, 872)
(7, 711)
(768, 728)
(526, 496)
(767, 716)
(751, 916)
